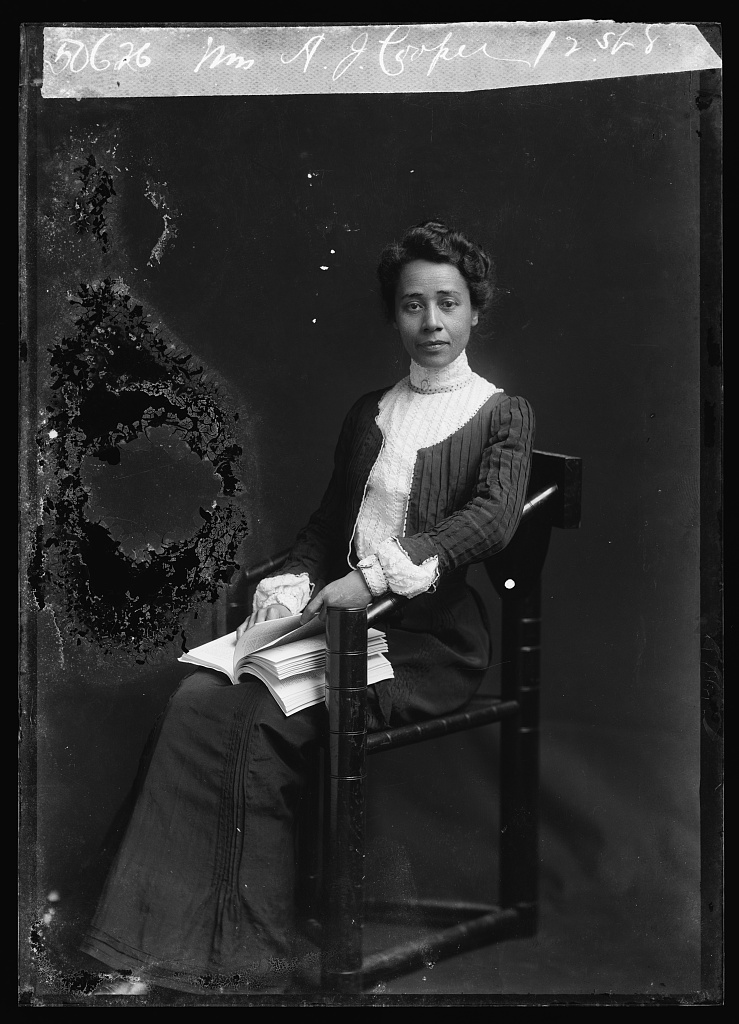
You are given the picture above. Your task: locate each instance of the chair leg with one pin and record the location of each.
(520, 677)
(344, 841)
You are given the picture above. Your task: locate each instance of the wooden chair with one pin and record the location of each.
(332, 882)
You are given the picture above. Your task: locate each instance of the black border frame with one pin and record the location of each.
(709, 103)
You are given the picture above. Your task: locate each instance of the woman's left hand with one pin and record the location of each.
(275, 611)
(350, 591)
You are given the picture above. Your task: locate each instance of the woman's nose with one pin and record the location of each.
(431, 319)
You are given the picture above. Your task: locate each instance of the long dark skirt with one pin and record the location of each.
(201, 893)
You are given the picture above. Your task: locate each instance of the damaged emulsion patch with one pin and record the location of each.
(88, 207)
(72, 982)
(158, 196)
(139, 462)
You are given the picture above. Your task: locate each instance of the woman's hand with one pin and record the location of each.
(275, 611)
(350, 591)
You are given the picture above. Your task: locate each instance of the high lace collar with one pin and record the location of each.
(428, 380)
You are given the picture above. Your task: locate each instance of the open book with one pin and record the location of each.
(289, 658)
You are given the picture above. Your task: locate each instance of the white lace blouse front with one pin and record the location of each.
(419, 411)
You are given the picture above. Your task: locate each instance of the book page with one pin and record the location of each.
(217, 654)
(307, 688)
(291, 649)
(310, 650)
(268, 639)
(273, 632)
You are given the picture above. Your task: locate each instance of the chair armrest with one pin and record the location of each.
(388, 602)
(382, 605)
(554, 491)
(254, 573)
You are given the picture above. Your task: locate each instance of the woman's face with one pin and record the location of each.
(433, 312)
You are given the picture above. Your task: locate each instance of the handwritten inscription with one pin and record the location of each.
(217, 55)
(76, 56)
(394, 53)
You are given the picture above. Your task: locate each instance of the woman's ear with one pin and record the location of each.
(475, 318)
(395, 325)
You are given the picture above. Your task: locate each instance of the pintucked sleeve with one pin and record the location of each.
(486, 524)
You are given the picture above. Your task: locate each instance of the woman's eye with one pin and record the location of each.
(448, 304)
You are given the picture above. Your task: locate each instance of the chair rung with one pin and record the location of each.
(432, 911)
(482, 712)
(434, 946)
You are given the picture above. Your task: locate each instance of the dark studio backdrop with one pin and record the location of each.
(276, 209)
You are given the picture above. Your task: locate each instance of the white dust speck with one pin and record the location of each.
(323, 268)
(53, 434)
(509, 584)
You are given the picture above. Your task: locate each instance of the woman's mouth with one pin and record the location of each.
(432, 346)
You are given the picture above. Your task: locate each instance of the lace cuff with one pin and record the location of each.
(374, 577)
(404, 576)
(290, 590)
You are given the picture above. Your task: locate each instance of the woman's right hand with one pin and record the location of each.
(275, 611)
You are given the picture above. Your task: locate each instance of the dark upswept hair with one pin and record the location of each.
(434, 241)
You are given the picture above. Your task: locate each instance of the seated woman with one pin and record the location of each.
(430, 475)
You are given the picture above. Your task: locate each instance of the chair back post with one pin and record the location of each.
(554, 501)
(346, 685)
(519, 756)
